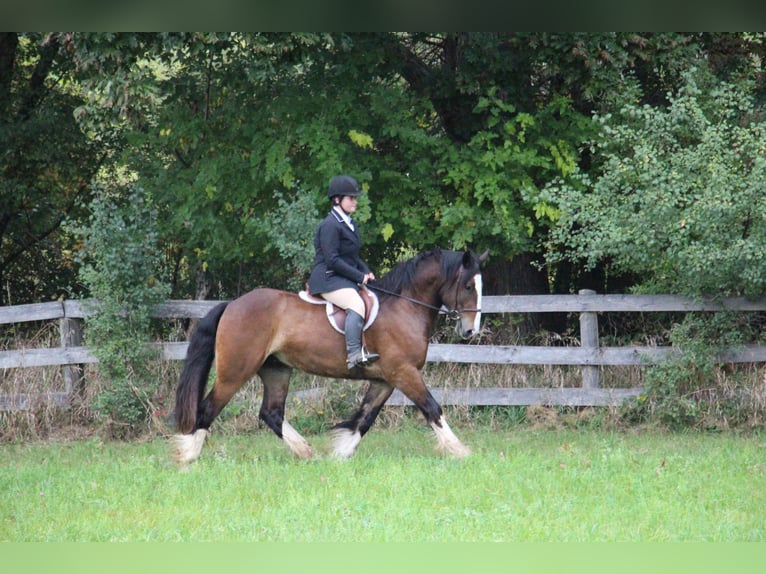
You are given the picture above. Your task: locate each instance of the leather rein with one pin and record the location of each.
(451, 313)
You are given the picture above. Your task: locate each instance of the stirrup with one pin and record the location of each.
(361, 359)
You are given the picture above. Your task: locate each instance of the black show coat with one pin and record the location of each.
(337, 264)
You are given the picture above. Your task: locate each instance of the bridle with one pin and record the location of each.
(453, 314)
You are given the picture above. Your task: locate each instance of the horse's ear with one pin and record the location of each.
(469, 261)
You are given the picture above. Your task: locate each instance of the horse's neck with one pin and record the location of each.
(427, 288)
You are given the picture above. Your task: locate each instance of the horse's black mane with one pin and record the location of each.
(403, 273)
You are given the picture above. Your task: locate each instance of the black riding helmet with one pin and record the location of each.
(343, 185)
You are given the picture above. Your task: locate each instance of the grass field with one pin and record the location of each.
(519, 485)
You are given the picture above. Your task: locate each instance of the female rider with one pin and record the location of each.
(338, 270)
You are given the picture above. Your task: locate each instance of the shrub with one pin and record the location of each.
(677, 200)
(121, 265)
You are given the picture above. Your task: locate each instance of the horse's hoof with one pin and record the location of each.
(345, 443)
(298, 445)
(186, 448)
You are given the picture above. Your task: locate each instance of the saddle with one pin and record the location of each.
(337, 316)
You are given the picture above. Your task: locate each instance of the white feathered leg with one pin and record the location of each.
(188, 447)
(295, 442)
(344, 443)
(447, 441)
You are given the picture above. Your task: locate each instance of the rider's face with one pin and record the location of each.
(348, 204)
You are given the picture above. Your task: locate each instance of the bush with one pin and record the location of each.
(121, 265)
(677, 200)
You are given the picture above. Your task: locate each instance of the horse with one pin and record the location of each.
(271, 332)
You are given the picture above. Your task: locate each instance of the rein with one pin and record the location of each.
(400, 296)
(451, 313)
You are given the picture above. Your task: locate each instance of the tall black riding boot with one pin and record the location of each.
(357, 357)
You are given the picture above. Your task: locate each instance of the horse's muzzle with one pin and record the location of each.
(466, 327)
(465, 333)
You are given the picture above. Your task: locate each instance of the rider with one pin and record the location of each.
(338, 270)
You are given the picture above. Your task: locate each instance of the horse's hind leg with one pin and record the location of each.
(188, 447)
(219, 396)
(348, 434)
(276, 381)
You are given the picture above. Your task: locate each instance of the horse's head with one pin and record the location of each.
(467, 294)
(437, 280)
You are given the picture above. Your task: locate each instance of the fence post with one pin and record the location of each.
(71, 336)
(591, 376)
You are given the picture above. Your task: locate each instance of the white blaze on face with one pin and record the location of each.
(477, 319)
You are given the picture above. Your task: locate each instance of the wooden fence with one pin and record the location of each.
(590, 356)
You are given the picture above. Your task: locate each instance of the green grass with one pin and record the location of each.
(519, 485)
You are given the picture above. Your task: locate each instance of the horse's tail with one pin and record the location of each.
(193, 379)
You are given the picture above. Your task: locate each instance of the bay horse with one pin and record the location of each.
(271, 332)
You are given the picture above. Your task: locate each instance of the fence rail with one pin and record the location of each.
(589, 356)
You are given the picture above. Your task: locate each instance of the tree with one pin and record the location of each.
(221, 125)
(678, 199)
(223, 132)
(453, 134)
(45, 167)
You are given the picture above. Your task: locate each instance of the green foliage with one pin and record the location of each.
(122, 265)
(454, 134)
(679, 200)
(219, 122)
(688, 390)
(679, 204)
(496, 176)
(292, 227)
(45, 165)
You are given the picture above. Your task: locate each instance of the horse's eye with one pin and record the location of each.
(469, 286)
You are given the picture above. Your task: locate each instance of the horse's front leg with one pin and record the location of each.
(410, 382)
(348, 434)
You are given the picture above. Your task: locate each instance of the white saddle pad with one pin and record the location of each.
(330, 308)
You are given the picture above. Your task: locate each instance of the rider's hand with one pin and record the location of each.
(368, 277)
